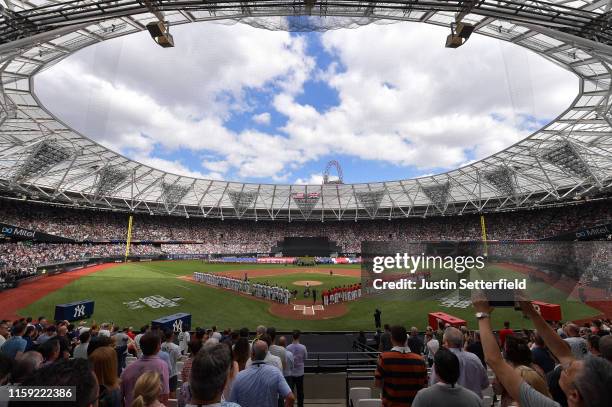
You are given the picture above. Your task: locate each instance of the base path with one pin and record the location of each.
(29, 292)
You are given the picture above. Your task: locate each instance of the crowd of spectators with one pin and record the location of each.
(586, 262)
(112, 366)
(207, 236)
(247, 236)
(524, 363)
(20, 260)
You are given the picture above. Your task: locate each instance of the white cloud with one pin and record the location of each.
(175, 167)
(313, 179)
(423, 104)
(131, 95)
(404, 98)
(262, 118)
(217, 166)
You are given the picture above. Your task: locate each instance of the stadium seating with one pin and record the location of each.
(369, 403)
(99, 233)
(233, 236)
(359, 393)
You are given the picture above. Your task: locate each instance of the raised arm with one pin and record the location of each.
(555, 344)
(506, 375)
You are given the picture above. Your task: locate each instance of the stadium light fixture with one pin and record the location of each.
(42, 157)
(159, 30)
(160, 33)
(453, 41)
(370, 200)
(464, 30)
(242, 200)
(460, 32)
(156, 29)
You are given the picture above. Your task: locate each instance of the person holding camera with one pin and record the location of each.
(585, 382)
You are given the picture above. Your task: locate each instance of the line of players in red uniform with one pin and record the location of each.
(341, 294)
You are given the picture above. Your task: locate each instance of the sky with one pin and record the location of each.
(244, 104)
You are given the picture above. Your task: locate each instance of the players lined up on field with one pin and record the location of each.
(341, 294)
(273, 293)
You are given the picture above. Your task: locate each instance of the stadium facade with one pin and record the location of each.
(43, 159)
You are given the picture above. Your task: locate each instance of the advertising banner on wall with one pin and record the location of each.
(276, 260)
(17, 233)
(598, 232)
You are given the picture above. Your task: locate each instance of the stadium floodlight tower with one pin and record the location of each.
(43, 156)
(159, 30)
(108, 179)
(172, 194)
(567, 157)
(438, 194)
(242, 200)
(460, 30)
(370, 200)
(503, 179)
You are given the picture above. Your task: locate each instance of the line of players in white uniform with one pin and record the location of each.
(273, 293)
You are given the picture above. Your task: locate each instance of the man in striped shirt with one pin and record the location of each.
(400, 374)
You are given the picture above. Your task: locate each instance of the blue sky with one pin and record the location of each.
(239, 103)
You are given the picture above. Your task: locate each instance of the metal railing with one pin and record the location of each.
(320, 362)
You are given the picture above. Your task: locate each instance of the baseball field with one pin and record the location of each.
(135, 293)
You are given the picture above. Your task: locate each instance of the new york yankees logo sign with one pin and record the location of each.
(178, 325)
(79, 311)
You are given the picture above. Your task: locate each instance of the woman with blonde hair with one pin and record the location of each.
(104, 364)
(147, 390)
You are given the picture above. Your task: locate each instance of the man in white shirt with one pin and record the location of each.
(80, 351)
(431, 347)
(105, 330)
(275, 349)
(215, 334)
(143, 331)
(289, 360)
(300, 354)
(174, 353)
(270, 359)
(184, 337)
(473, 375)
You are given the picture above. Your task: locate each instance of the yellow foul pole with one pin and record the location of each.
(128, 241)
(483, 227)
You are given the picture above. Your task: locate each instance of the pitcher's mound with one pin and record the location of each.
(307, 283)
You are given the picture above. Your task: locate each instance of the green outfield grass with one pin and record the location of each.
(114, 287)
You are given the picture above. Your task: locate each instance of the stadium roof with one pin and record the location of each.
(42, 158)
